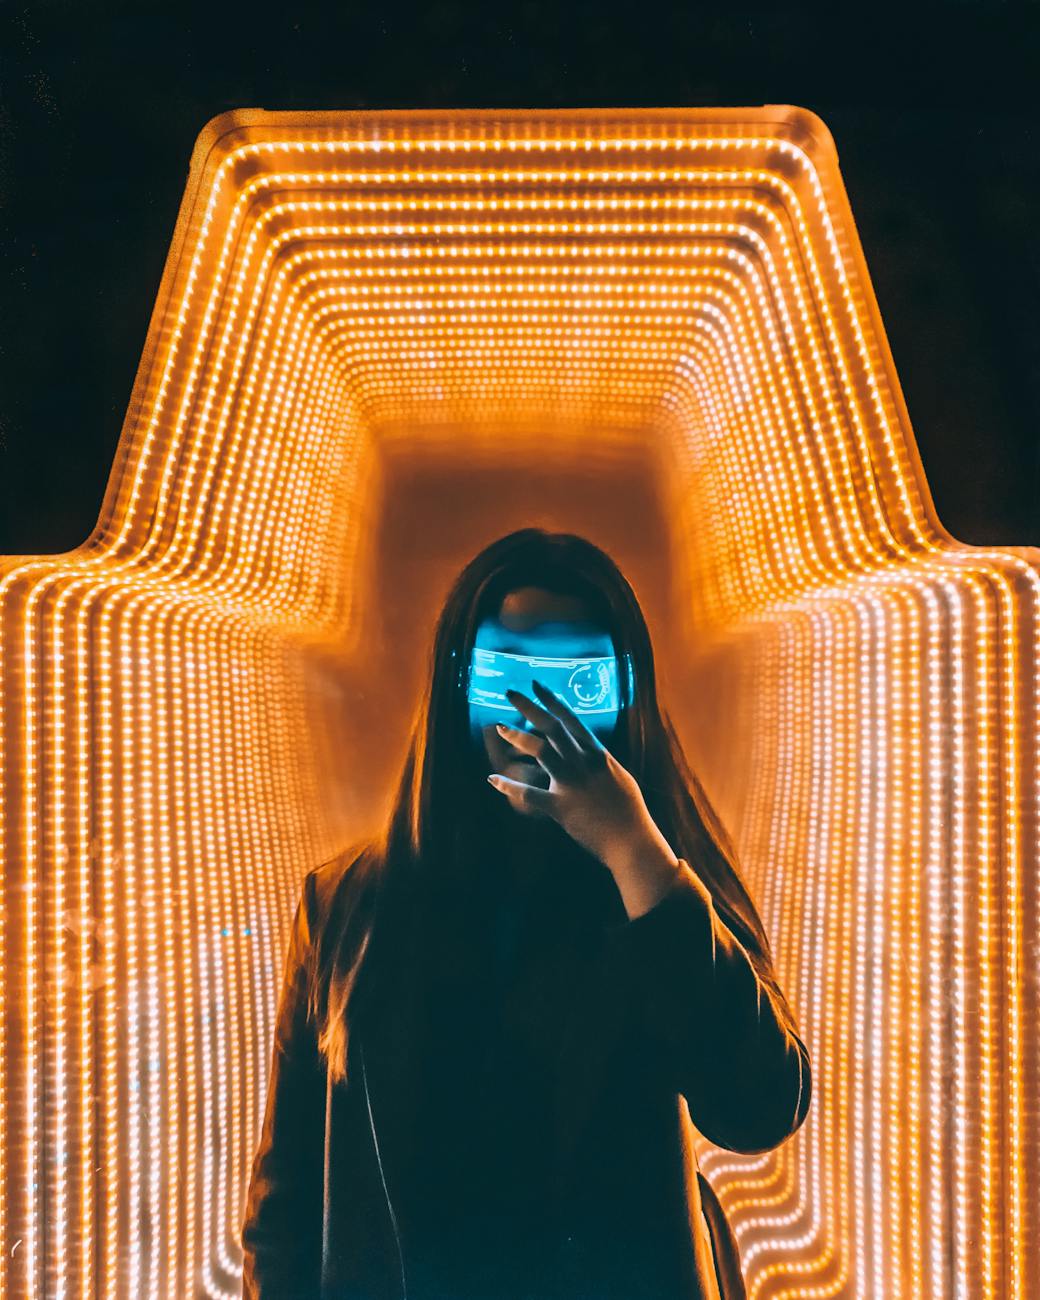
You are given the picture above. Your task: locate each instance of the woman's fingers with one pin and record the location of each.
(524, 798)
(576, 729)
(548, 723)
(537, 746)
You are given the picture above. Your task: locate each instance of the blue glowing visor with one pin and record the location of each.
(589, 686)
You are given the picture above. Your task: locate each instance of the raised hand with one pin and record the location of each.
(591, 795)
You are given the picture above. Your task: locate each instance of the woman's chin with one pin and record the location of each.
(530, 773)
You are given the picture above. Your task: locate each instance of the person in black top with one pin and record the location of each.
(500, 1019)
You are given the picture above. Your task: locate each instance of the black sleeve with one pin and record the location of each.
(728, 1039)
(282, 1225)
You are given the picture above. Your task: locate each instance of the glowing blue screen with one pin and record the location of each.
(588, 685)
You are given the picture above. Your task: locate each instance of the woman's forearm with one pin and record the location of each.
(644, 868)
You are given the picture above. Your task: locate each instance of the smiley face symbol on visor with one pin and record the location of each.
(590, 684)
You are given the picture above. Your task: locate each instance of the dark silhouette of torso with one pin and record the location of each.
(487, 1063)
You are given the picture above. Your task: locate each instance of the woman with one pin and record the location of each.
(498, 1020)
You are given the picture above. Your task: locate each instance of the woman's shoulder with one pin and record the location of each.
(344, 871)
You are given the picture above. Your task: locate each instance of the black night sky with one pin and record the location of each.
(932, 107)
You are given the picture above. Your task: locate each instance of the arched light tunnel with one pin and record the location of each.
(381, 340)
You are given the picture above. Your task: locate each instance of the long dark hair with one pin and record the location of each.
(445, 813)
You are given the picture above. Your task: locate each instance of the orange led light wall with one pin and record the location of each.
(684, 287)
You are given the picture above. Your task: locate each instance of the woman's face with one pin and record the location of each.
(532, 621)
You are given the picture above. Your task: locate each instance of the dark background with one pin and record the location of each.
(931, 107)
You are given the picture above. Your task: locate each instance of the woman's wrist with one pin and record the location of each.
(644, 868)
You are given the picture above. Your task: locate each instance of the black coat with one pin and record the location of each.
(654, 1022)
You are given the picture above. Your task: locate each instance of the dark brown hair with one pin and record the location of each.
(445, 813)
